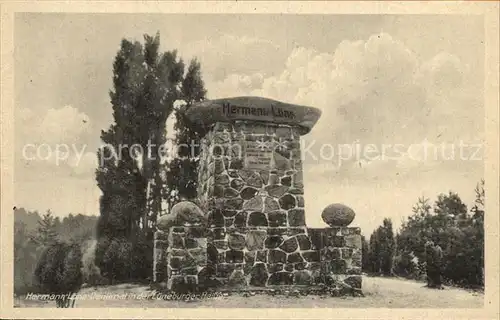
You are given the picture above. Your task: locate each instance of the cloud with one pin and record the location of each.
(53, 141)
(228, 54)
(441, 73)
(235, 84)
(25, 114)
(375, 91)
(82, 164)
(62, 125)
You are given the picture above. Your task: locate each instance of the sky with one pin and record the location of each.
(397, 84)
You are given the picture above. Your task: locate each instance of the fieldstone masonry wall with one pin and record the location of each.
(250, 187)
(250, 174)
(262, 257)
(244, 189)
(340, 255)
(197, 258)
(181, 257)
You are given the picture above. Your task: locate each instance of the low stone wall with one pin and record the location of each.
(340, 256)
(181, 258)
(262, 256)
(243, 257)
(160, 274)
(196, 258)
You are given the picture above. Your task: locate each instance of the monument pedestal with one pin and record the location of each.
(250, 186)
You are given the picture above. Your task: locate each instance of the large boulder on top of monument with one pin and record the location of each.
(248, 108)
(338, 215)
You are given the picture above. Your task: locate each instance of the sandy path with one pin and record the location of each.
(380, 293)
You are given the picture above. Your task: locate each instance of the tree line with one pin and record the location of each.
(35, 233)
(449, 224)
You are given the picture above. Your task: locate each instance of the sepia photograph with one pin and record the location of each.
(238, 160)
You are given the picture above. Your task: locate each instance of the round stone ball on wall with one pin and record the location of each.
(182, 214)
(338, 215)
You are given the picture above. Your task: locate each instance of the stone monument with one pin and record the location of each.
(251, 194)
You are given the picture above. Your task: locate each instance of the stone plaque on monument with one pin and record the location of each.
(258, 155)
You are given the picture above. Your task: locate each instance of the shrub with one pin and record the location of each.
(48, 272)
(72, 277)
(405, 265)
(90, 271)
(141, 263)
(116, 263)
(59, 270)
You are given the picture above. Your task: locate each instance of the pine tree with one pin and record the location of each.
(478, 208)
(123, 187)
(164, 77)
(374, 256)
(422, 208)
(146, 83)
(458, 234)
(382, 245)
(182, 171)
(450, 205)
(476, 232)
(365, 255)
(387, 247)
(46, 233)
